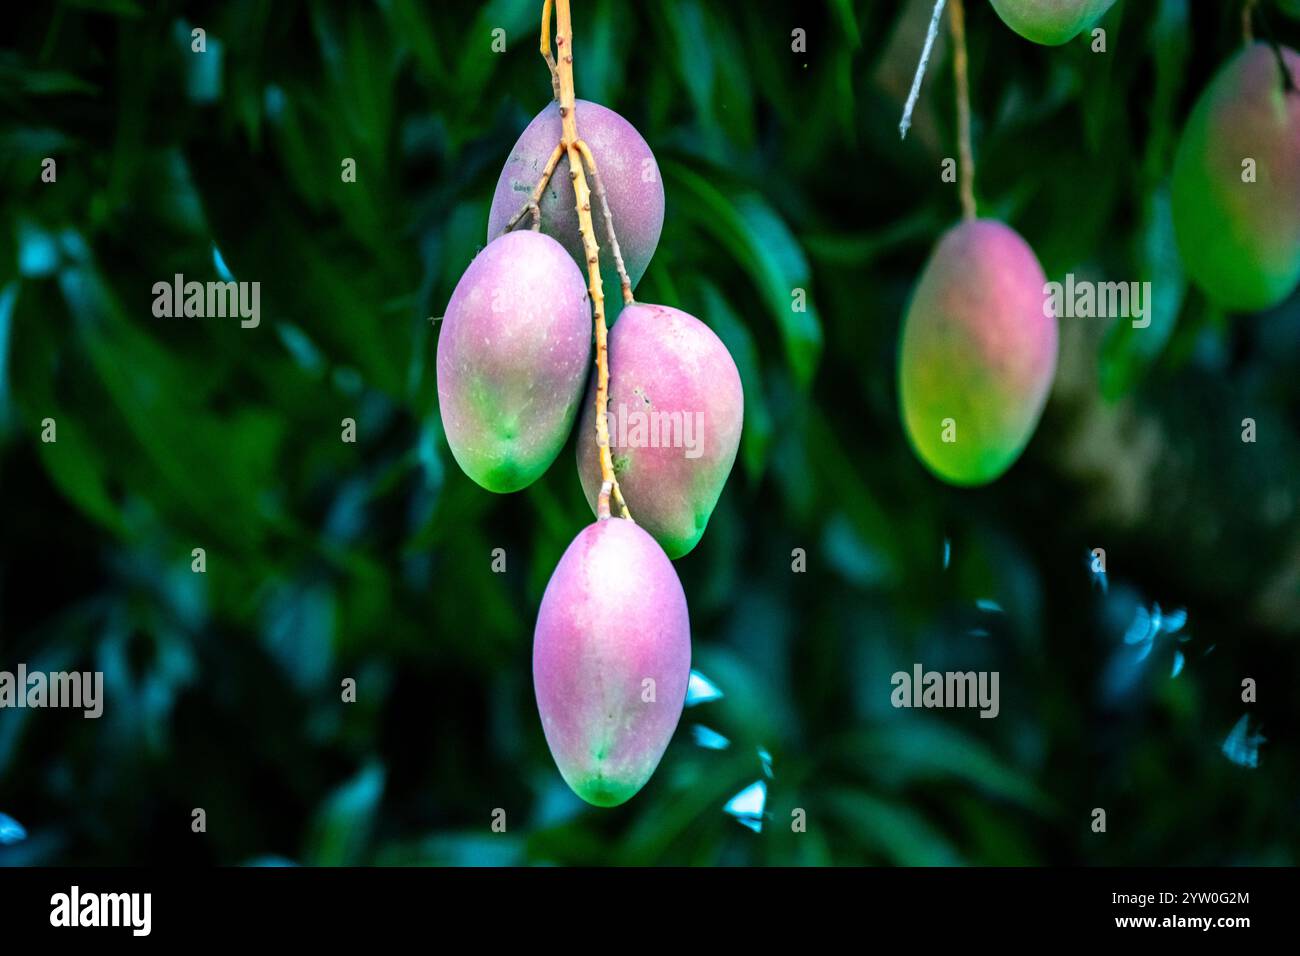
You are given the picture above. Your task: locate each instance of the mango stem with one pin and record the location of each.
(966, 157)
(590, 159)
(1249, 12)
(572, 145)
(533, 203)
(545, 47)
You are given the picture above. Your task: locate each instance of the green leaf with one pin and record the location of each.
(1128, 351)
(901, 835)
(763, 246)
(455, 849)
(756, 436)
(694, 59)
(519, 18)
(919, 750)
(341, 829)
(8, 296)
(18, 79)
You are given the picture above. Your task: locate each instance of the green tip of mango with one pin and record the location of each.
(1050, 22)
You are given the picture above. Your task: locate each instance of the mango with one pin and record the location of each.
(632, 183)
(676, 410)
(977, 353)
(611, 660)
(513, 354)
(1240, 240)
(1050, 22)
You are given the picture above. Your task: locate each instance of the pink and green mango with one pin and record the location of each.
(1050, 22)
(977, 353)
(632, 185)
(513, 355)
(676, 410)
(611, 660)
(1240, 239)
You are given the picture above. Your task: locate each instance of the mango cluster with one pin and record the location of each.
(1236, 175)
(977, 351)
(611, 649)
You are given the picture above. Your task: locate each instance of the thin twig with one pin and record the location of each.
(1247, 25)
(546, 49)
(590, 160)
(966, 156)
(1288, 81)
(906, 123)
(569, 140)
(533, 203)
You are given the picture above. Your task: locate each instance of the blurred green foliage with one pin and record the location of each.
(328, 560)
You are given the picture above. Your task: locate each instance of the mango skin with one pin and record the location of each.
(513, 355)
(666, 361)
(1050, 22)
(632, 184)
(1240, 242)
(613, 616)
(978, 346)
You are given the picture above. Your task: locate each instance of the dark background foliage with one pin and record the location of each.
(372, 560)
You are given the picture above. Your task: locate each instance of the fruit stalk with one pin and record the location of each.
(626, 282)
(573, 148)
(533, 205)
(1249, 10)
(546, 49)
(966, 158)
